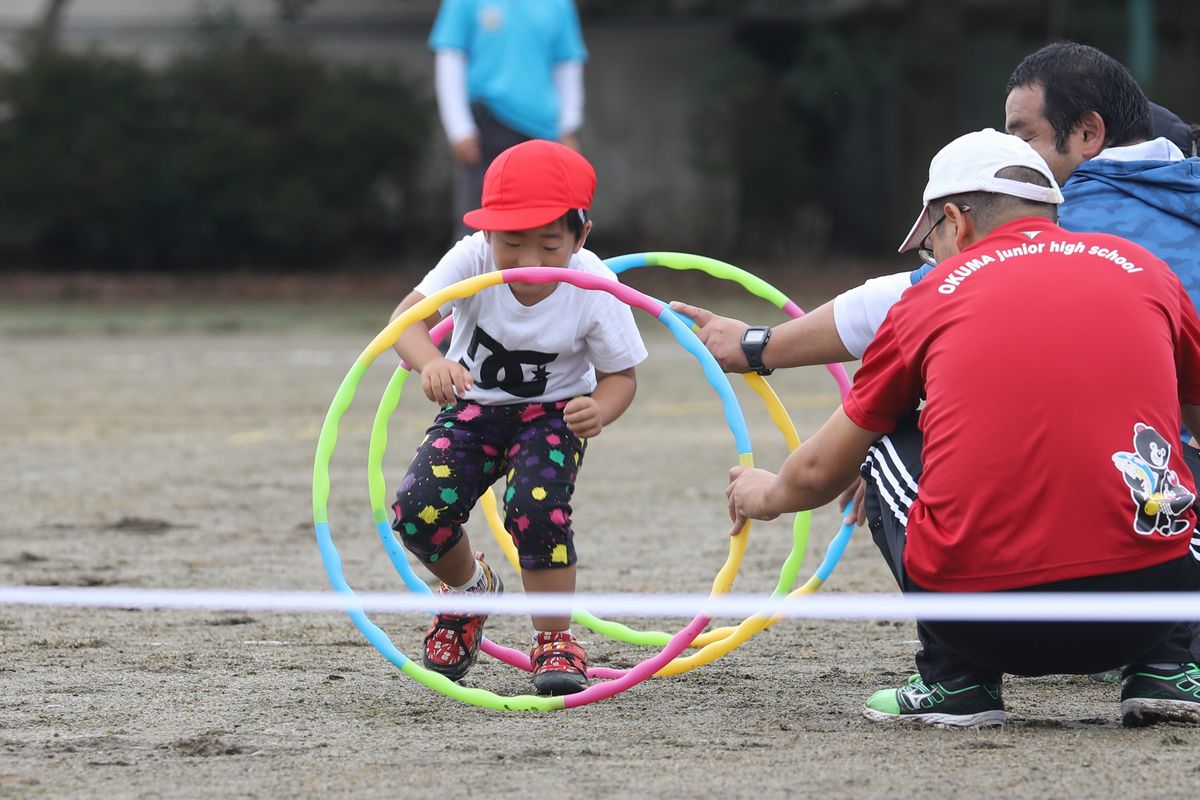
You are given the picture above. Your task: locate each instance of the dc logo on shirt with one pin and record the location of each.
(1158, 497)
(505, 369)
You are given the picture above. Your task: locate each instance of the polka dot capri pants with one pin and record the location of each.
(468, 447)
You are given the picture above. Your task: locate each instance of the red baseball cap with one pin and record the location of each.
(532, 184)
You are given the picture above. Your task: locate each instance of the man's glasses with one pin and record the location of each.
(923, 249)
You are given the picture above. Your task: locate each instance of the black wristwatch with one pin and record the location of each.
(753, 341)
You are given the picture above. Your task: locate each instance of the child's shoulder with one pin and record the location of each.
(469, 253)
(473, 244)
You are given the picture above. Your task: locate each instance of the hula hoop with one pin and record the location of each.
(801, 529)
(724, 271)
(708, 642)
(327, 441)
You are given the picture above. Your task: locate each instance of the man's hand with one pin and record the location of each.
(582, 415)
(444, 381)
(855, 493)
(721, 335)
(467, 151)
(747, 494)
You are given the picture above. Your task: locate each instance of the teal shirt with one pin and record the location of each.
(512, 47)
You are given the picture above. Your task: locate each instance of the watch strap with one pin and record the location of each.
(753, 350)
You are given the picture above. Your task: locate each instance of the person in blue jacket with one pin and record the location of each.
(1116, 176)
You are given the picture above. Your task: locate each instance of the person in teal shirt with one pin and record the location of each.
(506, 71)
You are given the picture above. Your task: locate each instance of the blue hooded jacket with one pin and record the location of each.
(1153, 203)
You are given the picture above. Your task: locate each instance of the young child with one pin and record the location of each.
(533, 371)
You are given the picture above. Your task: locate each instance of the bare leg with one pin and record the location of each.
(457, 565)
(560, 580)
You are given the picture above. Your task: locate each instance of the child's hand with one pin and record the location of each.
(444, 381)
(582, 415)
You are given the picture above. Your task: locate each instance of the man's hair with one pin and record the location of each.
(1076, 79)
(991, 209)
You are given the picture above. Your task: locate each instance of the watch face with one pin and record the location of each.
(755, 336)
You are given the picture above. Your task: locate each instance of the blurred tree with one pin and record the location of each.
(44, 34)
(293, 10)
(235, 153)
(931, 67)
(798, 101)
(288, 157)
(79, 155)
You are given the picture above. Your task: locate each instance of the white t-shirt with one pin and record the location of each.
(859, 312)
(541, 353)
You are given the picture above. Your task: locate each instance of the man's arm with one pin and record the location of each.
(811, 339)
(568, 84)
(454, 107)
(837, 331)
(812, 475)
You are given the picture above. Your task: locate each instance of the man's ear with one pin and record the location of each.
(1092, 134)
(964, 226)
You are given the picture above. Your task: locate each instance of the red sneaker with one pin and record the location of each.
(559, 663)
(452, 642)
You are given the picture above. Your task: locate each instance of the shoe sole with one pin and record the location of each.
(557, 685)
(455, 672)
(1139, 712)
(985, 719)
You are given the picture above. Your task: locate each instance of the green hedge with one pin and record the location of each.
(236, 154)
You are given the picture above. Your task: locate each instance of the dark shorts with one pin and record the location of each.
(979, 652)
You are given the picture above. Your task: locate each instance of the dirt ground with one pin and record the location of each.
(164, 445)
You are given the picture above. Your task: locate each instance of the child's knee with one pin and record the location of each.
(422, 530)
(543, 535)
(557, 555)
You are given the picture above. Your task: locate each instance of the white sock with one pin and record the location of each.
(475, 584)
(536, 633)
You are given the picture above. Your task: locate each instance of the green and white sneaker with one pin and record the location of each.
(1161, 693)
(973, 706)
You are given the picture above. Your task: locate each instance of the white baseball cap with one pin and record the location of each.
(970, 164)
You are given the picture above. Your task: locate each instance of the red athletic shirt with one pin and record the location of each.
(1052, 366)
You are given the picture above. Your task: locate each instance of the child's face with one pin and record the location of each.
(551, 245)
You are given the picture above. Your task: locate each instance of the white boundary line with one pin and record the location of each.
(1025, 606)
